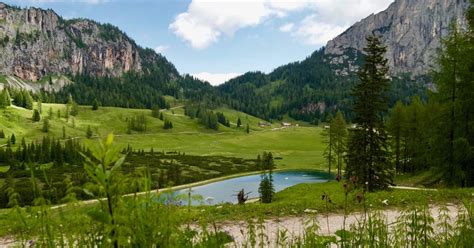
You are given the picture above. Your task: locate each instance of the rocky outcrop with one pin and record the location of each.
(411, 29)
(35, 43)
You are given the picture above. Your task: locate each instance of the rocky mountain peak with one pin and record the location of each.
(412, 30)
(35, 43)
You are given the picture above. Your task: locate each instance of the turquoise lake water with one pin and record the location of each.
(226, 190)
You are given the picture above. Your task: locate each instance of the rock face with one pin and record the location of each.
(411, 29)
(35, 43)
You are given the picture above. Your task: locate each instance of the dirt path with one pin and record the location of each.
(295, 226)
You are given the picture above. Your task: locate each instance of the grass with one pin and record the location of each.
(300, 147)
(294, 201)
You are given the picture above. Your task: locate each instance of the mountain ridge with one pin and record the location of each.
(36, 43)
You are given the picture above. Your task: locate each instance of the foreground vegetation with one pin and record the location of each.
(150, 220)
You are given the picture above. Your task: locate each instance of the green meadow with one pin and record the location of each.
(296, 147)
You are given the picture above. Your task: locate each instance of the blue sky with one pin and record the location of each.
(219, 39)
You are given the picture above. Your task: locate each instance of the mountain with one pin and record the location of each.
(35, 43)
(411, 30)
(54, 58)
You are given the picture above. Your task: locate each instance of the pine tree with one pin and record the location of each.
(95, 104)
(155, 111)
(74, 109)
(248, 128)
(28, 100)
(328, 154)
(454, 81)
(395, 127)
(36, 116)
(50, 113)
(40, 106)
(339, 135)
(13, 139)
(239, 123)
(266, 188)
(2, 134)
(64, 132)
(45, 128)
(368, 154)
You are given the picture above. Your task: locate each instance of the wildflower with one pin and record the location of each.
(385, 202)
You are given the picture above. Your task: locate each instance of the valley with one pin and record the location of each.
(366, 141)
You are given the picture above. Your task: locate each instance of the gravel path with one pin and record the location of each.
(295, 225)
(328, 225)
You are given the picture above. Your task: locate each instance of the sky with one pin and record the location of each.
(216, 40)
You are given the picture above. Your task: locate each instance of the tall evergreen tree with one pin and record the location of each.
(455, 83)
(239, 123)
(339, 135)
(368, 154)
(36, 116)
(395, 127)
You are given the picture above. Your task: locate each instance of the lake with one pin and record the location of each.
(226, 190)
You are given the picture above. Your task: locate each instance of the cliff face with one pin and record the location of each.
(36, 42)
(411, 29)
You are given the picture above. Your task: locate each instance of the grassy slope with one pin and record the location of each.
(299, 147)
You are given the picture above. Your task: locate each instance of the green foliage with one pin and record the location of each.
(89, 132)
(266, 188)
(239, 123)
(13, 139)
(5, 100)
(207, 118)
(2, 134)
(155, 112)
(167, 124)
(137, 123)
(46, 125)
(95, 105)
(368, 154)
(36, 116)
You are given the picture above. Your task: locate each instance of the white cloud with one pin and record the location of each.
(346, 12)
(216, 78)
(314, 32)
(287, 27)
(162, 48)
(206, 21)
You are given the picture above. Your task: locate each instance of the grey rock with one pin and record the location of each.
(412, 30)
(35, 43)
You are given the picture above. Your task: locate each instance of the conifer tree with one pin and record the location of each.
(28, 100)
(13, 139)
(2, 134)
(239, 123)
(36, 116)
(339, 135)
(395, 127)
(248, 128)
(368, 154)
(95, 104)
(50, 113)
(45, 128)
